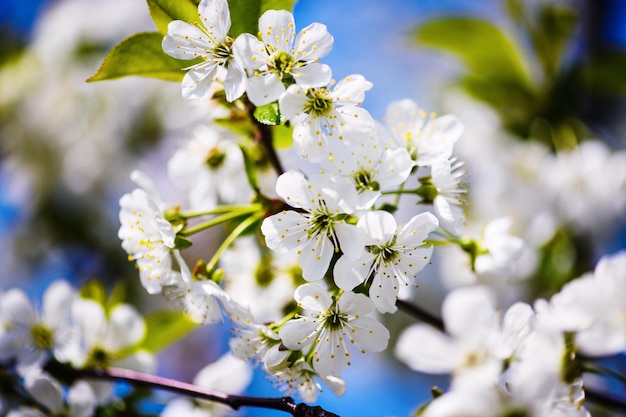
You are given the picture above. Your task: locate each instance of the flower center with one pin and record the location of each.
(385, 253)
(42, 336)
(320, 103)
(98, 358)
(223, 51)
(335, 320)
(365, 182)
(215, 158)
(283, 64)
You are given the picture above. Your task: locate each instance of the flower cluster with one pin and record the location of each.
(69, 329)
(329, 220)
(526, 361)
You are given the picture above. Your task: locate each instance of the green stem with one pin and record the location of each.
(231, 238)
(400, 191)
(218, 220)
(218, 210)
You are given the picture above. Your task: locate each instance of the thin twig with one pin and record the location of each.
(285, 404)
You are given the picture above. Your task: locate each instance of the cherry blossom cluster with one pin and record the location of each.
(333, 247)
(318, 240)
(70, 329)
(526, 361)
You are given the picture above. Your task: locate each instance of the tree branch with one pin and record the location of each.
(264, 135)
(286, 404)
(420, 314)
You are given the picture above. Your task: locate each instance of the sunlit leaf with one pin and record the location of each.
(94, 290)
(140, 55)
(486, 51)
(282, 136)
(268, 114)
(165, 327)
(164, 11)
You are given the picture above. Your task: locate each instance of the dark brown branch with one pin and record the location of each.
(420, 314)
(286, 404)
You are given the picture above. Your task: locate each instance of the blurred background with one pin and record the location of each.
(539, 85)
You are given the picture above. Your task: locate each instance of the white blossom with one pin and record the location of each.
(281, 58)
(111, 338)
(394, 255)
(330, 325)
(319, 229)
(32, 334)
(146, 236)
(326, 119)
(427, 138)
(371, 166)
(210, 169)
(209, 41)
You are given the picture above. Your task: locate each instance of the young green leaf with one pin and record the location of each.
(268, 114)
(485, 50)
(164, 11)
(140, 55)
(165, 327)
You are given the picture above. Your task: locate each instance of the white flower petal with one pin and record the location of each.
(426, 349)
(312, 75)
(215, 16)
(277, 29)
(313, 42)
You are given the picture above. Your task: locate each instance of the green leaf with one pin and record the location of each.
(140, 55)
(164, 11)
(268, 114)
(485, 50)
(94, 290)
(165, 327)
(251, 168)
(244, 14)
(276, 5)
(282, 136)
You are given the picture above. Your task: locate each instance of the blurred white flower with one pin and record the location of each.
(30, 335)
(427, 138)
(209, 168)
(110, 339)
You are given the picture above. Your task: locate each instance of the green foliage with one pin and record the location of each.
(282, 136)
(164, 11)
(165, 327)
(94, 290)
(140, 54)
(485, 50)
(268, 114)
(244, 14)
